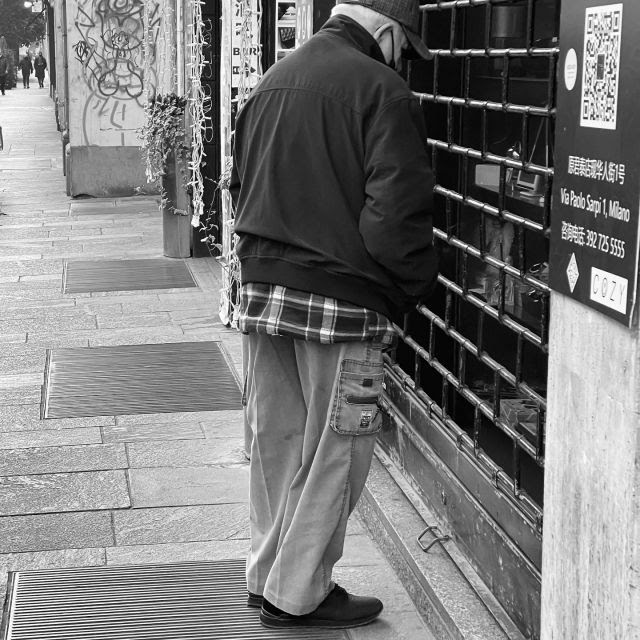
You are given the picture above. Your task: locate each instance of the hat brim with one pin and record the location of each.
(418, 49)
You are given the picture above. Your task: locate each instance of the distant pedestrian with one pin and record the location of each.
(27, 69)
(4, 67)
(40, 64)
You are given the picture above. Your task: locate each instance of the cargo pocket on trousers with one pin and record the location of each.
(355, 410)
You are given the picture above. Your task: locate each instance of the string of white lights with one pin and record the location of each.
(250, 72)
(197, 114)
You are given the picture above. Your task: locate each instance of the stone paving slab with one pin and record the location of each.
(33, 283)
(150, 335)
(87, 305)
(14, 380)
(9, 338)
(49, 313)
(51, 531)
(98, 457)
(16, 234)
(8, 250)
(25, 164)
(171, 487)
(399, 619)
(49, 560)
(218, 427)
(152, 432)
(29, 293)
(227, 452)
(89, 206)
(181, 524)
(10, 257)
(30, 306)
(14, 439)
(26, 418)
(74, 235)
(25, 395)
(54, 278)
(184, 416)
(110, 297)
(155, 304)
(29, 361)
(56, 492)
(142, 294)
(63, 339)
(51, 323)
(179, 552)
(119, 321)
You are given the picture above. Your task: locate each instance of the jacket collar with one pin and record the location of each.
(354, 33)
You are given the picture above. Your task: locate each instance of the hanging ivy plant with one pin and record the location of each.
(162, 133)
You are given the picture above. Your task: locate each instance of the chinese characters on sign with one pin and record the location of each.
(597, 169)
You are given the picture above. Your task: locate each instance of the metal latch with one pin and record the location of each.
(438, 538)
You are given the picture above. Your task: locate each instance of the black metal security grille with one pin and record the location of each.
(475, 357)
(182, 601)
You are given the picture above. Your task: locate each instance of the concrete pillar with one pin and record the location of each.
(107, 94)
(591, 540)
(59, 40)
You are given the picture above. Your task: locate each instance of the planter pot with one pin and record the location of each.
(176, 229)
(176, 235)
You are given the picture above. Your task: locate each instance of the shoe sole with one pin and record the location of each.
(272, 622)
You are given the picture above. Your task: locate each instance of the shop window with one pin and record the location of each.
(285, 27)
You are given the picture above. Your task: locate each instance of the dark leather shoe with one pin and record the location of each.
(254, 600)
(339, 610)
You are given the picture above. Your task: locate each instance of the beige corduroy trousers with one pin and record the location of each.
(312, 409)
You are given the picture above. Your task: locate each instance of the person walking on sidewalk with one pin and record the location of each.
(39, 65)
(27, 70)
(333, 192)
(4, 69)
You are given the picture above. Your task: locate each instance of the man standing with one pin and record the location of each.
(4, 68)
(27, 70)
(333, 193)
(39, 65)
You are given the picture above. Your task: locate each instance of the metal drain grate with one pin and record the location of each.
(185, 601)
(83, 276)
(148, 378)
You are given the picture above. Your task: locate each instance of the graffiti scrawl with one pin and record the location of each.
(110, 50)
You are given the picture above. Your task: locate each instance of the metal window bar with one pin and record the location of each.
(465, 412)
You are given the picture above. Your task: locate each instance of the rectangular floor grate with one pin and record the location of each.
(132, 379)
(182, 601)
(84, 276)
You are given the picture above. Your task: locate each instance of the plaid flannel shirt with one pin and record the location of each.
(281, 311)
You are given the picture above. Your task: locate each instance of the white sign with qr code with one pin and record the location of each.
(601, 66)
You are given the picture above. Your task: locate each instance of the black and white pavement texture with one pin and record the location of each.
(119, 489)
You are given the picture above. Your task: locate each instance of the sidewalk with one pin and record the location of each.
(118, 489)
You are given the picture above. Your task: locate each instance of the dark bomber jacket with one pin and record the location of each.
(331, 180)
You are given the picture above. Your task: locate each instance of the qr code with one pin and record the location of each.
(601, 68)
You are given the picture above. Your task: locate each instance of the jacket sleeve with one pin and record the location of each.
(396, 220)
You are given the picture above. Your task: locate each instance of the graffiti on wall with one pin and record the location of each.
(110, 51)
